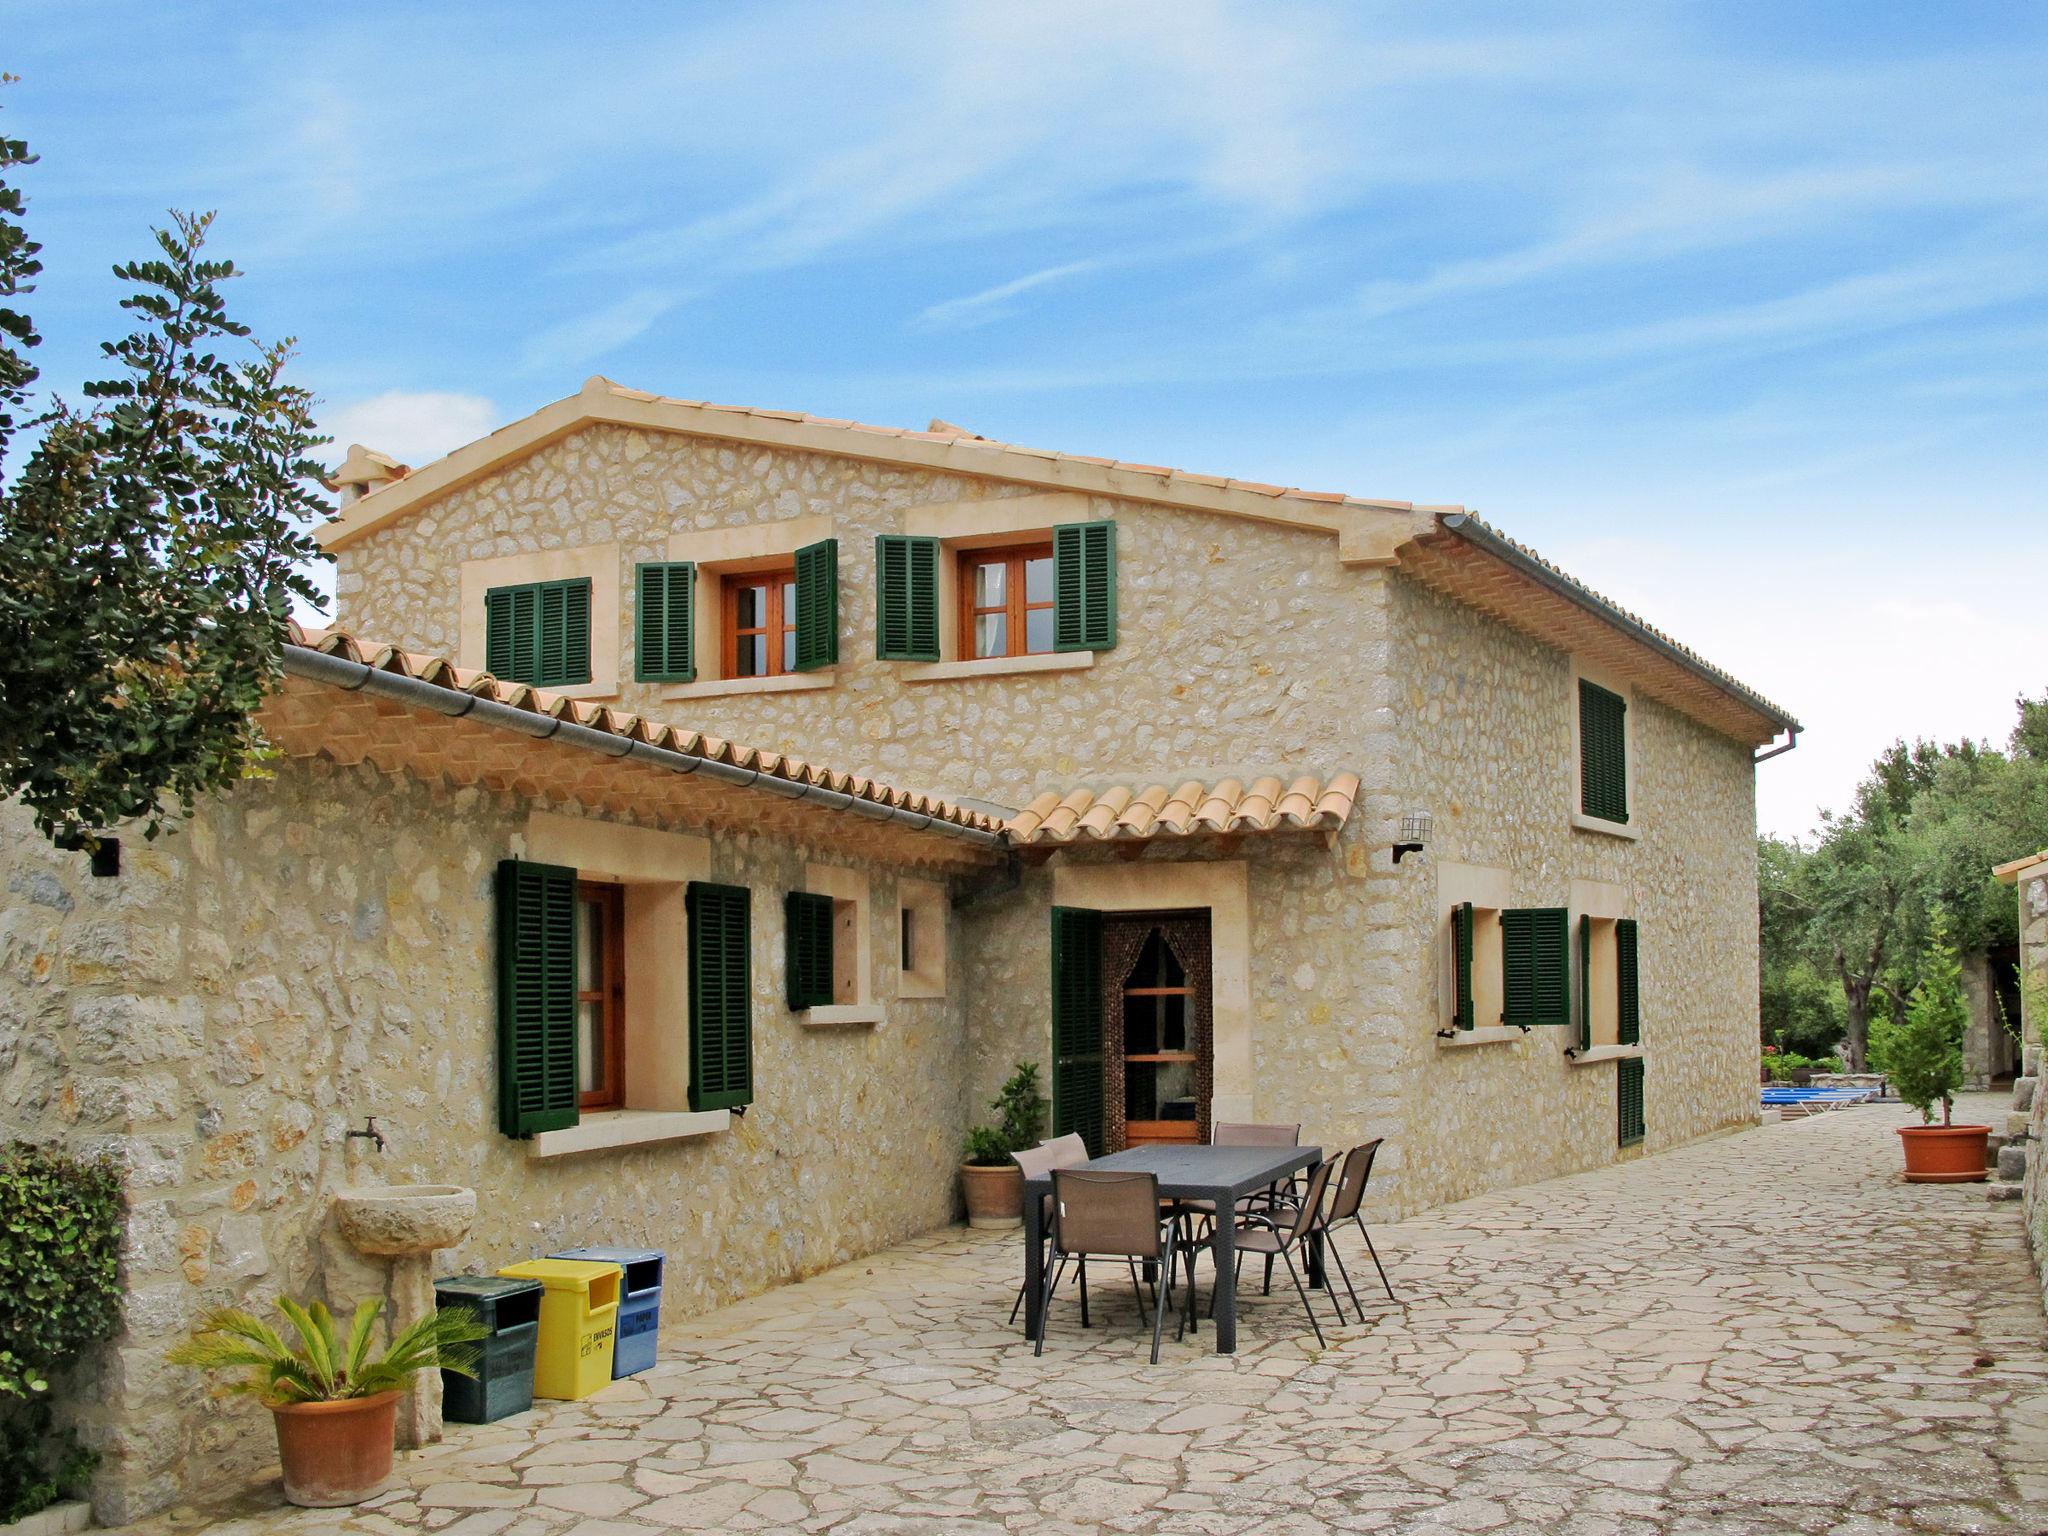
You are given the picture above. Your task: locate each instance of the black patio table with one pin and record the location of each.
(1221, 1175)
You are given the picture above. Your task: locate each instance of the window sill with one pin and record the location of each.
(837, 1014)
(725, 687)
(997, 666)
(1599, 1053)
(627, 1128)
(1499, 1034)
(911, 987)
(1621, 829)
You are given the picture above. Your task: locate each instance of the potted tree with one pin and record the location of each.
(334, 1407)
(990, 1180)
(1925, 1059)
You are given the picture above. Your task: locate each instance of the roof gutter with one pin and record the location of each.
(356, 676)
(1475, 532)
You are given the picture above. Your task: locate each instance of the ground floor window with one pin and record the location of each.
(1628, 1080)
(601, 996)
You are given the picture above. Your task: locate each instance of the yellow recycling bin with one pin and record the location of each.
(579, 1316)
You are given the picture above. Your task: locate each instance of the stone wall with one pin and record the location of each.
(1485, 744)
(2030, 1104)
(1241, 646)
(318, 948)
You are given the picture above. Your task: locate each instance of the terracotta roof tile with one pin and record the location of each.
(1119, 813)
(630, 727)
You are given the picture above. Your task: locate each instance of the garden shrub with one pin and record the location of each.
(60, 1294)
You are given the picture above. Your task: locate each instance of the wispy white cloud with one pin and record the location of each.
(579, 339)
(413, 426)
(993, 303)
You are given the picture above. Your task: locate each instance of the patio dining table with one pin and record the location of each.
(1220, 1175)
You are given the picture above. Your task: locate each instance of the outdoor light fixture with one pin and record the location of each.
(1415, 827)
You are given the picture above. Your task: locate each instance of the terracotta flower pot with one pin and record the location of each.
(336, 1453)
(995, 1196)
(1944, 1154)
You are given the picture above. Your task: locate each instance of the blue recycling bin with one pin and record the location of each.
(639, 1324)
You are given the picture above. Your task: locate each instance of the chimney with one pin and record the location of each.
(364, 472)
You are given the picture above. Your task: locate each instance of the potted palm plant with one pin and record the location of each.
(990, 1180)
(335, 1408)
(1925, 1059)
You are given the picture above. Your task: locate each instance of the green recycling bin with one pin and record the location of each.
(503, 1385)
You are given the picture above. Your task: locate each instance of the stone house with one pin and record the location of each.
(1219, 800)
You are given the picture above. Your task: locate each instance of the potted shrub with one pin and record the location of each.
(1925, 1059)
(334, 1407)
(990, 1180)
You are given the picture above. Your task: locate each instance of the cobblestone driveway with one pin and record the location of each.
(1766, 1332)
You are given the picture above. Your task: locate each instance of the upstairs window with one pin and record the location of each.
(1006, 602)
(1603, 754)
(760, 623)
(1026, 599)
(783, 619)
(538, 633)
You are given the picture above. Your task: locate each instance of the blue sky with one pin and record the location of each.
(1736, 311)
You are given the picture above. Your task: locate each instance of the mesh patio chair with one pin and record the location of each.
(1068, 1151)
(1103, 1214)
(1247, 1133)
(1344, 1206)
(1037, 1162)
(1277, 1236)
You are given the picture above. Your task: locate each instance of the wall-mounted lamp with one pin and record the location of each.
(1415, 827)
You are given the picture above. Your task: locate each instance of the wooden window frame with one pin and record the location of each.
(611, 997)
(778, 625)
(1015, 608)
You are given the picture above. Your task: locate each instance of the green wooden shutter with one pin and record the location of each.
(508, 631)
(1628, 1093)
(1084, 586)
(1625, 992)
(1603, 753)
(1585, 982)
(906, 598)
(1461, 963)
(721, 996)
(1077, 1080)
(817, 605)
(536, 997)
(1535, 947)
(665, 622)
(539, 633)
(807, 928)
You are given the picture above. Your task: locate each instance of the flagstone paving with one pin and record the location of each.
(1764, 1332)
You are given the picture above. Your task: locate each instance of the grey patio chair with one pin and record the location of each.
(1037, 1162)
(1344, 1206)
(1068, 1151)
(1277, 1236)
(1248, 1133)
(1103, 1214)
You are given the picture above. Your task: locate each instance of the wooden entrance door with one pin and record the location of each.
(1158, 1015)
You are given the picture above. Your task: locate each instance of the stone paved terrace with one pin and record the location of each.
(1764, 1332)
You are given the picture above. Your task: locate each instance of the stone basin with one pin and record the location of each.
(403, 1220)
